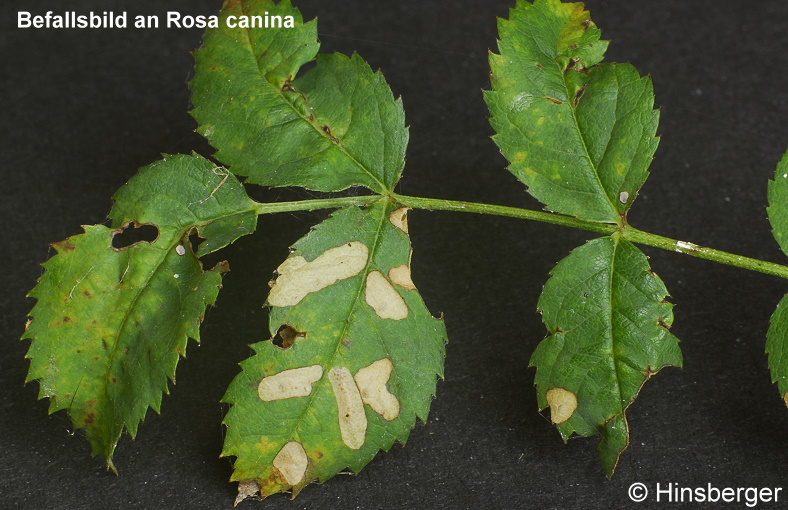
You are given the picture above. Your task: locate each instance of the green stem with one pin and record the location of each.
(638, 236)
(312, 205)
(629, 233)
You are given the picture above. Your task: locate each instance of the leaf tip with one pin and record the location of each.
(111, 465)
(249, 489)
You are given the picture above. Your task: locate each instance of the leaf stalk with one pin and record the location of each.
(627, 232)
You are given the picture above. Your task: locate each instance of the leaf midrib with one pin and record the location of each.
(140, 291)
(597, 178)
(354, 303)
(383, 188)
(613, 356)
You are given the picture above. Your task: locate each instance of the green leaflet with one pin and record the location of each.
(337, 126)
(777, 347)
(778, 204)
(352, 362)
(777, 336)
(579, 134)
(608, 322)
(110, 323)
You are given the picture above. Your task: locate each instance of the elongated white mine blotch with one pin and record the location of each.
(384, 298)
(296, 382)
(297, 277)
(350, 408)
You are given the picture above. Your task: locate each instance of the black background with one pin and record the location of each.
(83, 109)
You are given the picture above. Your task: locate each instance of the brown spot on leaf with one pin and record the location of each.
(246, 490)
(287, 86)
(286, 336)
(578, 96)
(66, 319)
(562, 404)
(327, 130)
(64, 246)
(554, 100)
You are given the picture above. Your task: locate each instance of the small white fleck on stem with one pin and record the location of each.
(685, 246)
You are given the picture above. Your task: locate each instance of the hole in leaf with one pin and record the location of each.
(195, 240)
(286, 336)
(131, 234)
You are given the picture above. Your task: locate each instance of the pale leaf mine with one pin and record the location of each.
(399, 218)
(562, 404)
(297, 277)
(400, 275)
(384, 298)
(296, 382)
(291, 461)
(371, 382)
(350, 408)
